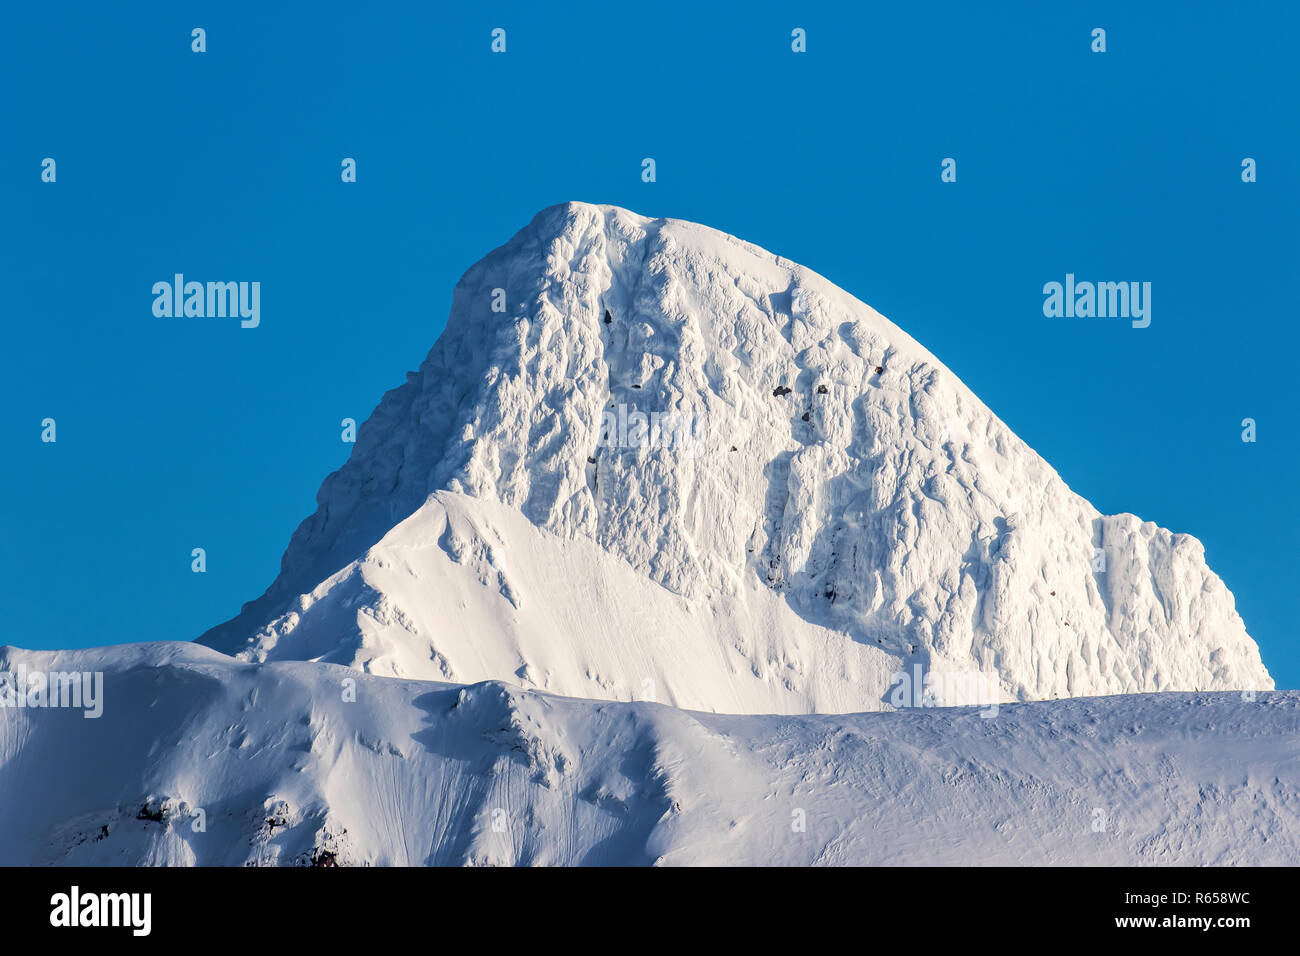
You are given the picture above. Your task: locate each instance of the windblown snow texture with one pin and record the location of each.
(843, 510)
(201, 759)
(847, 506)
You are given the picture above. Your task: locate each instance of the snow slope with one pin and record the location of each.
(839, 506)
(287, 771)
(469, 589)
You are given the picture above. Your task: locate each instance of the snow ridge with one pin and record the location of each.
(199, 759)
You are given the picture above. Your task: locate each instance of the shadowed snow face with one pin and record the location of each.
(201, 759)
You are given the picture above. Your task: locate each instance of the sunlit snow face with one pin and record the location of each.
(623, 427)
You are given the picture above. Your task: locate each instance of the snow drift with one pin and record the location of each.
(201, 759)
(832, 507)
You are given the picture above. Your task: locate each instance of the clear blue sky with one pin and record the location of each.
(225, 165)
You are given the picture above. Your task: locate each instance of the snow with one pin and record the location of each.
(516, 632)
(770, 564)
(287, 771)
(470, 590)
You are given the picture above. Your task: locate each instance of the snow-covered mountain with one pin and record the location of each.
(201, 759)
(822, 505)
(811, 506)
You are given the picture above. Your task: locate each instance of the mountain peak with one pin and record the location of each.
(647, 458)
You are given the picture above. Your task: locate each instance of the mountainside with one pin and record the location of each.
(201, 759)
(811, 504)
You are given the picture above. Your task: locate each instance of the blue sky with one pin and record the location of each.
(225, 165)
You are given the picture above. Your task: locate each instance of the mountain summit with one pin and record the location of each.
(648, 460)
